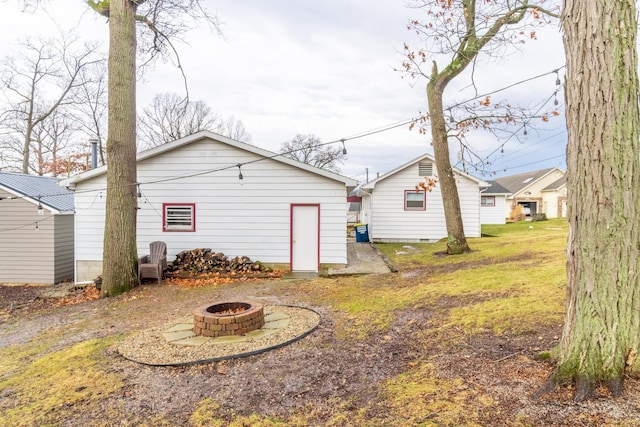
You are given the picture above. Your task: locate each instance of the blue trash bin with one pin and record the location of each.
(362, 233)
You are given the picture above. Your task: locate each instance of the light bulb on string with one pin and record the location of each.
(344, 149)
(240, 172)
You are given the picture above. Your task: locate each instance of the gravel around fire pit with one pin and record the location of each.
(151, 347)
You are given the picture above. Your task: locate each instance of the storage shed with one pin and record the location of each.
(396, 212)
(36, 230)
(492, 204)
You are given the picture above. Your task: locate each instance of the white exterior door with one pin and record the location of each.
(305, 237)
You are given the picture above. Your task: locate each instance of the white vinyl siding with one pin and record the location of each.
(493, 214)
(248, 217)
(389, 221)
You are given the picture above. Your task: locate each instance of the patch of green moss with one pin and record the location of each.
(545, 355)
(46, 387)
(368, 306)
(516, 315)
(14, 357)
(208, 414)
(420, 397)
(525, 264)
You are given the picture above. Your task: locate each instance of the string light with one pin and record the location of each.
(139, 192)
(356, 136)
(30, 224)
(40, 210)
(344, 149)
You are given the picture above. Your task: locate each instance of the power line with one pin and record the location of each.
(537, 161)
(340, 140)
(532, 145)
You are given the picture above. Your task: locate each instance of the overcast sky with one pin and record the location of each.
(326, 67)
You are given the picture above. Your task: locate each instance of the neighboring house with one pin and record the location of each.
(527, 190)
(209, 191)
(396, 212)
(36, 230)
(354, 203)
(492, 204)
(554, 199)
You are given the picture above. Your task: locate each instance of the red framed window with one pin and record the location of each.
(179, 217)
(488, 201)
(415, 200)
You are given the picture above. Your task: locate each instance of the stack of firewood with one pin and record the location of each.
(204, 260)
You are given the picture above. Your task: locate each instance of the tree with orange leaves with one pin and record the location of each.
(458, 31)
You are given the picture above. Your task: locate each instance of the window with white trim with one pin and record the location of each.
(178, 217)
(488, 201)
(414, 200)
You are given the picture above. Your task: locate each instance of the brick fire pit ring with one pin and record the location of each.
(228, 318)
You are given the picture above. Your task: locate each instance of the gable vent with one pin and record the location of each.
(425, 169)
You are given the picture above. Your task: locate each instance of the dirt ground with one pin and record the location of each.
(322, 373)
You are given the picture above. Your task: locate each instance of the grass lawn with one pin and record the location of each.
(446, 341)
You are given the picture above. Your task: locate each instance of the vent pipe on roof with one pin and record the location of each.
(94, 153)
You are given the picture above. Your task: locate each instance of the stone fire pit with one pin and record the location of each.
(228, 318)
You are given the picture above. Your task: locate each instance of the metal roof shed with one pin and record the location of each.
(36, 230)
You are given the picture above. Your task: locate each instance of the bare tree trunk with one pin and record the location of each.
(456, 240)
(54, 156)
(26, 151)
(120, 253)
(600, 338)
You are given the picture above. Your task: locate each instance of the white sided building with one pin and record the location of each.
(493, 204)
(396, 212)
(209, 191)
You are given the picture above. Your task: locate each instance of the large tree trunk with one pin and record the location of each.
(456, 240)
(120, 253)
(600, 337)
